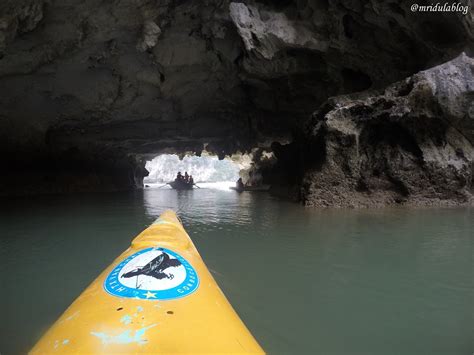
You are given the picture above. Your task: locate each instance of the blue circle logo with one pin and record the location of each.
(152, 274)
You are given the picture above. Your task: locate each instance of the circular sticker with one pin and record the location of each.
(153, 274)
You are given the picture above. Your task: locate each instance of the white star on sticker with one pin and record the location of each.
(150, 295)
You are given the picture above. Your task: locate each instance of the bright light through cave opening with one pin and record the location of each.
(206, 170)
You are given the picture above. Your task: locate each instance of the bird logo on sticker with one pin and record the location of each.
(155, 268)
(153, 273)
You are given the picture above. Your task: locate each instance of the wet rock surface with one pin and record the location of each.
(111, 83)
(411, 144)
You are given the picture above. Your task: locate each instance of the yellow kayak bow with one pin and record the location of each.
(158, 297)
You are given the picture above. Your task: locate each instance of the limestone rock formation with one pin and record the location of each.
(18, 17)
(411, 144)
(101, 83)
(271, 32)
(150, 35)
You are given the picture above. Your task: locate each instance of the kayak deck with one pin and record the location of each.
(157, 297)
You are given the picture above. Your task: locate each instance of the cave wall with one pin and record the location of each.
(104, 83)
(411, 144)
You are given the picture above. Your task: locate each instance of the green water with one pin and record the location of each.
(386, 281)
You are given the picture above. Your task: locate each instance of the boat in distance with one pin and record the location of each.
(181, 185)
(157, 297)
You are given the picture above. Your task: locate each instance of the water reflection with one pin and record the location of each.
(305, 281)
(202, 206)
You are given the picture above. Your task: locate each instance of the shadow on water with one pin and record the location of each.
(389, 281)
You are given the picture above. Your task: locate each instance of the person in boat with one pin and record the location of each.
(191, 180)
(186, 177)
(239, 184)
(179, 177)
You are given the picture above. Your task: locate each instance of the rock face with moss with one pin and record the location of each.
(90, 88)
(411, 144)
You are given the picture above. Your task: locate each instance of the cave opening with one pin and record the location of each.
(206, 169)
